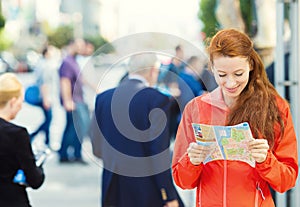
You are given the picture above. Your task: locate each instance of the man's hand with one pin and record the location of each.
(173, 203)
(69, 105)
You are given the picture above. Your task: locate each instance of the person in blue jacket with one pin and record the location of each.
(188, 80)
(131, 136)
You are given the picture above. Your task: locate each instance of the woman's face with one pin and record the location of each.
(16, 106)
(232, 75)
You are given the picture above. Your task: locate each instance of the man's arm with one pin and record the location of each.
(66, 93)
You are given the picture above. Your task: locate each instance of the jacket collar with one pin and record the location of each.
(140, 78)
(215, 98)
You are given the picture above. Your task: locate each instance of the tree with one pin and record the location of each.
(61, 36)
(208, 17)
(254, 17)
(2, 19)
(98, 41)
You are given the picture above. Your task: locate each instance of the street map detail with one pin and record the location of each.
(226, 142)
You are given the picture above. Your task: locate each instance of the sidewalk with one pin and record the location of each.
(74, 185)
(65, 185)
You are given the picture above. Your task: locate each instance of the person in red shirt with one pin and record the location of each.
(244, 94)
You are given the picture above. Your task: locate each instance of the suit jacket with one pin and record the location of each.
(132, 140)
(16, 153)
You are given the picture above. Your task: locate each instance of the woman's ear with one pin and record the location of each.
(12, 102)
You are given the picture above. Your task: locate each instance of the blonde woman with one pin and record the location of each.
(15, 149)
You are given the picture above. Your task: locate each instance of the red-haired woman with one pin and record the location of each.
(244, 95)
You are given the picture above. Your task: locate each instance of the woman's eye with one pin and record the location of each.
(239, 74)
(222, 75)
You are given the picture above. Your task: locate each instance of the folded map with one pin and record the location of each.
(226, 142)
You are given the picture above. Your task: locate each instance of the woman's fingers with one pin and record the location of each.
(259, 149)
(197, 153)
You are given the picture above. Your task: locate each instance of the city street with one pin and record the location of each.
(254, 37)
(67, 185)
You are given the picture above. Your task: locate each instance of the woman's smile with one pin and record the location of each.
(232, 90)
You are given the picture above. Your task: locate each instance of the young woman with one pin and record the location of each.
(244, 94)
(15, 149)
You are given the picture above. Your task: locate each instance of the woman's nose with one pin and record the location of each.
(230, 82)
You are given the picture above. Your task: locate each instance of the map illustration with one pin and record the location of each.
(226, 142)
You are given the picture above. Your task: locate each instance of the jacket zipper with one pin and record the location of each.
(258, 190)
(225, 184)
(256, 197)
(200, 195)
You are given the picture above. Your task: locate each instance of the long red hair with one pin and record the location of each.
(257, 103)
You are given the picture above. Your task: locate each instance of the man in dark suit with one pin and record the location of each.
(131, 136)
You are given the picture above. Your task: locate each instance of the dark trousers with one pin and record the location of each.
(45, 126)
(70, 139)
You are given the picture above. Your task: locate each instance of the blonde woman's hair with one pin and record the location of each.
(10, 87)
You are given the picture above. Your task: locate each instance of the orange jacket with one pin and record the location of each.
(233, 183)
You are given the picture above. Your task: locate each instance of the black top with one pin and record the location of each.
(16, 153)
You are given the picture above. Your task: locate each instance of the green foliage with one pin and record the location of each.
(286, 11)
(2, 21)
(249, 16)
(5, 41)
(207, 16)
(211, 25)
(98, 42)
(61, 36)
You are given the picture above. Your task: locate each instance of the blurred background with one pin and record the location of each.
(26, 26)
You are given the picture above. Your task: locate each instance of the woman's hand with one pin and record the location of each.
(197, 153)
(259, 149)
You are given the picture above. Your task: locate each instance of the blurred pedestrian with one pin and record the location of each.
(86, 50)
(77, 113)
(188, 80)
(244, 93)
(15, 148)
(207, 80)
(169, 75)
(177, 63)
(88, 71)
(130, 127)
(44, 71)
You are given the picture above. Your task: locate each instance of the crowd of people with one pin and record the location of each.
(22, 161)
(133, 125)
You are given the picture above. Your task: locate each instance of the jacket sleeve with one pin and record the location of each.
(185, 174)
(280, 169)
(95, 136)
(34, 175)
(160, 145)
